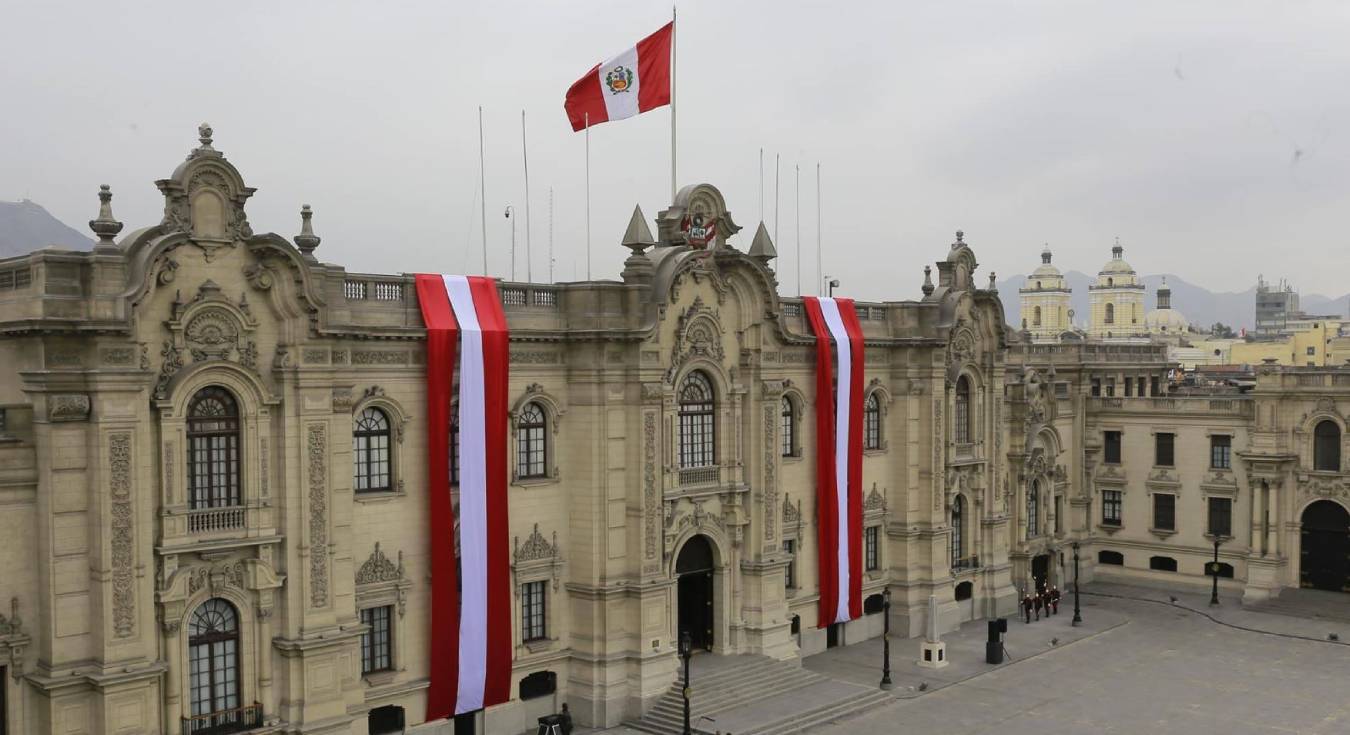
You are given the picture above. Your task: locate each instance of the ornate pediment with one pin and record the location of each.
(698, 334)
(210, 326)
(536, 547)
(875, 501)
(204, 199)
(379, 568)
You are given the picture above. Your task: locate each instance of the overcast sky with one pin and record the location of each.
(1212, 137)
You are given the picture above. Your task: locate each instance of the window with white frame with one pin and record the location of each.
(872, 547)
(370, 449)
(697, 413)
(531, 442)
(788, 427)
(377, 643)
(872, 422)
(1111, 502)
(533, 613)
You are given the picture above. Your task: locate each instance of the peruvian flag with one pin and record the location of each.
(471, 607)
(634, 81)
(838, 456)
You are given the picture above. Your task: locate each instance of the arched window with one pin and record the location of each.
(961, 417)
(1110, 557)
(1327, 446)
(370, 445)
(213, 656)
(213, 449)
(964, 591)
(1110, 313)
(1033, 508)
(1036, 316)
(697, 435)
(872, 421)
(789, 427)
(958, 531)
(531, 451)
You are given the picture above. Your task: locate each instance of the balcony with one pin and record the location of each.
(239, 719)
(212, 520)
(965, 563)
(691, 476)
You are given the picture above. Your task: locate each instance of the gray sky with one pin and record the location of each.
(1212, 137)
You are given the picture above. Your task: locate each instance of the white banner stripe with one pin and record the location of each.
(829, 308)
(620, 101)
(472, 500)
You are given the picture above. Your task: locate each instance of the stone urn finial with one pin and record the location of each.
(204, 135)
(106, 226)
(927, 280)
(307, 241)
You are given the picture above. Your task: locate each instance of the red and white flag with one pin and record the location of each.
(838, 457)
(470, 610)
(634, 81)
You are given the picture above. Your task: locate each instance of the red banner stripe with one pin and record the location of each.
(496, 371)
(827, 520)
(654, 69)
(585, 102)
(442, 332)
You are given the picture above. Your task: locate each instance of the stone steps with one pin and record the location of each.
(725, 687)
(804, 721)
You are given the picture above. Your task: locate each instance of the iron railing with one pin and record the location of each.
(207, 520)
(234, 720)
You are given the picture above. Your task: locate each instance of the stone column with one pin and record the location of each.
(173, 654)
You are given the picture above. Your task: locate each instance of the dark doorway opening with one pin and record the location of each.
(695, 569)
(1040, 571)
(832, 632)
(1325, 553)
(386, 719)
(467, 723)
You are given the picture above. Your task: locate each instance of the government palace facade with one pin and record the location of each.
(212, 470)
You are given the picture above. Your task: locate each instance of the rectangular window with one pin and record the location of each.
(1165, 512)
(872, 552)
(1059, 512)
(1129, 387)
(1220, 517)
(1312, 351)
(1153, 386)
(1164, 444)
(790, 574)
(376, 643)
(1096, 386)
(1221, 452)
(532, 621)
(1111, 501)
(1110, 387)
(1141, 387)
(1111, 440)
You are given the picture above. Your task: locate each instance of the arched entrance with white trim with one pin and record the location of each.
(1324, 549)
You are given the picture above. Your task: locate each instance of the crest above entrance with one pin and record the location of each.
(697, 218)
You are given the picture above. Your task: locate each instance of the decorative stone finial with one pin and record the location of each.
(306, 240)
(106, 226)
(1045, 254)
(638, 267)
(960, 240)
(761, 247)
(927, 280)
(204, 134)
(993, 288)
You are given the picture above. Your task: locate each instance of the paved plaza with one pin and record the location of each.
(1145, 661)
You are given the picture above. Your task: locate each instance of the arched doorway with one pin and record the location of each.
(1325, 549)
(694, 567)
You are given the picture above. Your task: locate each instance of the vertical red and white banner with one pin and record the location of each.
(471, 606)
(839, 406)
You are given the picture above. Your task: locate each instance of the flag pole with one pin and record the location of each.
(525, 156)
(672, 104)
(550, 234)
(775, 198)
(797, 208)
(820, 277)
(482, 186)
(761, 184)
(587, 123)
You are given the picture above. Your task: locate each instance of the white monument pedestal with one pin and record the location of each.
(932, 651)
(933, 654)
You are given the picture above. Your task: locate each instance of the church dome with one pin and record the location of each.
(1117, 272)
(1165, 319)
(1117, 263)
(1047, 277)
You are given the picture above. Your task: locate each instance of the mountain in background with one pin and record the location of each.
(1201, 307)
(25, 226)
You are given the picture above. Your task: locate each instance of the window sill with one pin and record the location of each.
(792, 458)
(1110, 528)
(535, 481)
(874, 451)
(380, 678)
(1162, 533)
(539, 645)
(789, 592)
(376, 496)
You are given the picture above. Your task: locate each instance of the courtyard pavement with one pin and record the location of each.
(1144, 661)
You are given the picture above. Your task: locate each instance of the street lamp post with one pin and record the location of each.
(832, 284)
(1214, 570)
(1077, 611)
(686, 652)
(886, 638)
(510, 211)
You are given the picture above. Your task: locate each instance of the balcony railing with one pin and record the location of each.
(238, 719)
(700, 476)
(964, 563)
(208, 520)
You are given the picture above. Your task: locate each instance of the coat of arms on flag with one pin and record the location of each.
(619, 79)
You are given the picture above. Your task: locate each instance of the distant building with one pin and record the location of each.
(1274, 304)
(1046, 313)
(1117, 300)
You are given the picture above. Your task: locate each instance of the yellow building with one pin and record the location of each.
(1308, 348)
(1045, 302)
(1117, 300)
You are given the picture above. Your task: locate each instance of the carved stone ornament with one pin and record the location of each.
(317, 446)
(342, 399)
(68, 407)
(378, 568)
(204, 577)
(205, 199)
(13, 638)
(651, 507)
(875, 502)
(536, 547)
(123, 529)
(697, 334)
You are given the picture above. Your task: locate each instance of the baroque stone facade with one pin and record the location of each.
(987, 462)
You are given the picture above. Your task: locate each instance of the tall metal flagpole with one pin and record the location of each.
(550, 234)
(820, 278)
(672, 104)
(587, 122)
(761, 184)
(798, 208)
(525, 155)
(775, 198)
(482, 186)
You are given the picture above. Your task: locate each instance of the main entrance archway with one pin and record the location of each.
(694, 566)
(1324, 561)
